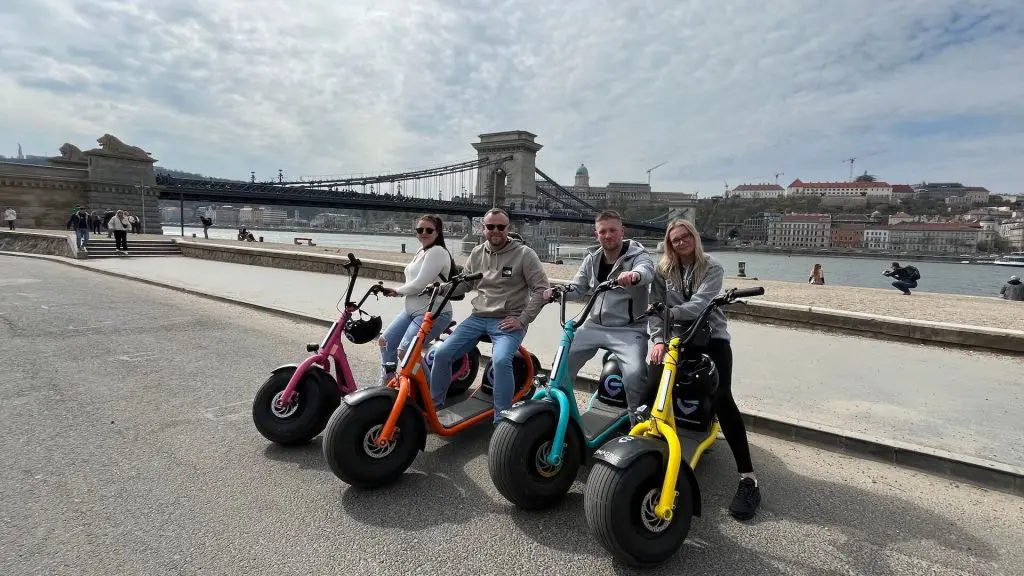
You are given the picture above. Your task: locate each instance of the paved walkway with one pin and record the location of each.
(965, 402)
(132, 451)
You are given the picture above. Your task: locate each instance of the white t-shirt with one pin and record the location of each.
(426, 267)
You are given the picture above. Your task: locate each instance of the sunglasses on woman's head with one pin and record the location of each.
(500, 227)
(424, 230)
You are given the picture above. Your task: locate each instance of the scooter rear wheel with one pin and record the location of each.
(299, 422)
(619, 506)
(516, 461)
(349, 443)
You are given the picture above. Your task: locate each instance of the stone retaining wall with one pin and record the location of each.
(36, 243)
(321, 263)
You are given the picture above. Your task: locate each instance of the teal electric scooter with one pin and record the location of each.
(538, 446)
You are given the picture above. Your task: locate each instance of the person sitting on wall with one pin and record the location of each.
(1013, 289)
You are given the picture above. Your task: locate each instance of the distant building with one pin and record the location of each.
(847, 231)
(934, 237)
(876, 237)
(874, 190)
(753, 191)
(755, 229)
(943, 190)
(801, 231)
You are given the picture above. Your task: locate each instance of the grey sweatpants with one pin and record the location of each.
(628, 344)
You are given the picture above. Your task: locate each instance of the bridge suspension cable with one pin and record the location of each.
(436, 171)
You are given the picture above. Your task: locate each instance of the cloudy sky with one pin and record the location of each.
(723, 90)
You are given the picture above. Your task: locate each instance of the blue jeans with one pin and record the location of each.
(905, 286)
(503, 348)
(402, 331)
(81, 237)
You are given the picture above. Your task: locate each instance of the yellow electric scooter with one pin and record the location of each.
(642, 493)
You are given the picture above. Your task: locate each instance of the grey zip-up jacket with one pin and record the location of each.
(513, 283)
(616, 308)
(684, 310)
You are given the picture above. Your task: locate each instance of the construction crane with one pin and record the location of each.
(649, 170)
(850, 161)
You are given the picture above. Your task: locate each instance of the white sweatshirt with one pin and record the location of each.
(426, 267)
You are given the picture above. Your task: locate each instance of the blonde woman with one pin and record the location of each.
(119, 225)
(817, 275)
(687, 280)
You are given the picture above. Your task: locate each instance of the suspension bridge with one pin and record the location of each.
(503, 175)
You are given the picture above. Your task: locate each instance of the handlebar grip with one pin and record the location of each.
(473, 277)
(748, 292)
(353, 260)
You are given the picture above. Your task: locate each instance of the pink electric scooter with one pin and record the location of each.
(294, 404)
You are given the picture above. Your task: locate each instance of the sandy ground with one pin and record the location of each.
(953, 308)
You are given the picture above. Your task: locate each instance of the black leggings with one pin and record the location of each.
(725, 406)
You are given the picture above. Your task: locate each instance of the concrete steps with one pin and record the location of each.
(106, 248)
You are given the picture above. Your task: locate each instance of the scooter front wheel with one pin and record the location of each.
(350, 443)
(517, 461)
(298, 422)
(619, 506)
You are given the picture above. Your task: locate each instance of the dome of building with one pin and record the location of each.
(582, 171)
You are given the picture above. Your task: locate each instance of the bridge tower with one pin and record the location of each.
(512, 181)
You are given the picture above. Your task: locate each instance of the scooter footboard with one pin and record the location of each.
(622, 451)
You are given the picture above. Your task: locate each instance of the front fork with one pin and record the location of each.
(289, 390)
(554, 457)
(667, 500)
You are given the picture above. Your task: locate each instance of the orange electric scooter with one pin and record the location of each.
(374, 435)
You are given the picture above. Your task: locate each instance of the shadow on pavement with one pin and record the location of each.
(803, 521)
(308, 456)
(435, 490)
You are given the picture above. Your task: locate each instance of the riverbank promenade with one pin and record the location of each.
(990, 312)
(959, 401)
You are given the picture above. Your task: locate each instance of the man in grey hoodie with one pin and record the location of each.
(509, 297)
(610, 325)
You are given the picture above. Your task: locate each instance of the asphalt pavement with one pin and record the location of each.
(965, 402)
(128, 445)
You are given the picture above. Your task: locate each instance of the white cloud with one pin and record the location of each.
(729, 90)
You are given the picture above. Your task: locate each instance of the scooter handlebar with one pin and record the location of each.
(352, 261)
(747, 292)
(473, 277)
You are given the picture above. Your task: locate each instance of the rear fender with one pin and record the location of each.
(624, 450)
(366, 394)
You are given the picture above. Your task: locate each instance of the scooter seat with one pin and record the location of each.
(485, 338)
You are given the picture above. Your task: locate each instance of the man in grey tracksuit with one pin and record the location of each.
(610, 325)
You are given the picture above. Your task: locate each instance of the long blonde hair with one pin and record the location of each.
(669, 266)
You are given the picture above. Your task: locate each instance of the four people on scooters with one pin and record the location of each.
(509, 297)
(687, 281)
(431, 263)
(514, 289)
(610, 325)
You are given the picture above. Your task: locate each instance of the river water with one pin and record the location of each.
(969, 279)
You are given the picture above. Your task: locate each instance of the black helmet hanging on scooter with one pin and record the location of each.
(362, 330)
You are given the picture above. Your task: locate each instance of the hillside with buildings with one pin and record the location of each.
(867, 215)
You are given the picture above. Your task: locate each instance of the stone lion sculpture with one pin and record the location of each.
(111, 143)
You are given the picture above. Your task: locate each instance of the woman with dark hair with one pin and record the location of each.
(432, 262)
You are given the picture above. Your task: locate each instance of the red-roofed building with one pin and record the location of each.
(840, 189)
(901, 191)
(750, 191)
(801, 231)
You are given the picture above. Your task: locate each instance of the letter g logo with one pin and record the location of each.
(612, 384)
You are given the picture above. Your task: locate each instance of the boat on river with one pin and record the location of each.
(1015, 259)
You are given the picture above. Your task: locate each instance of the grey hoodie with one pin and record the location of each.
(616, 308)
(684, 310)
(513, 283)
